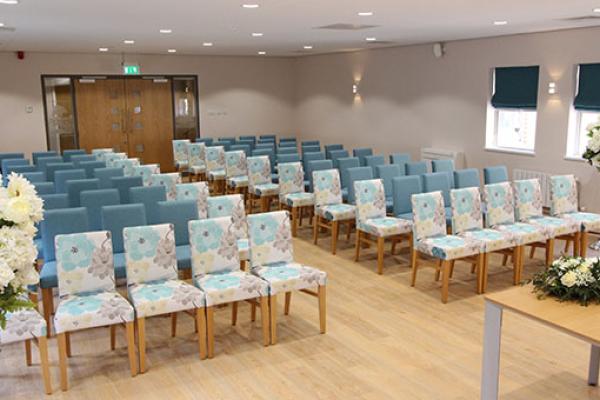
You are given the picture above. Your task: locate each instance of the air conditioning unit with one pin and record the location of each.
(431, 153)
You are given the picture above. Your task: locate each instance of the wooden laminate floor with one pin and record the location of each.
(385, 340)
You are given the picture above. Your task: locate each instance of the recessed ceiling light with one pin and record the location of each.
(371, 39)
(499, 23)
(172, 51)
(257, 34)
(166, 31)
(365, 13)
(596, 10)
(103, 49)
(9, 2)
(1, 24)
(207, 44)
(250, 5)
(262, 53)
(308, 47)
(128, 41)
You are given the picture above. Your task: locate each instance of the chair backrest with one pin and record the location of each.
(251, 138)
(228, 139)
(270, 239)
(7, 162)
(399, 158)
(150, 253)
(429, 215)
(55, 201)
(344, 164)
(110, 158)
(528, 199)
(265, 146)
(287, 150)
(288, 158)
(446, 166)
(437, 181)
(332, 147)
(196, 191)
(44, 187)
(116, 218)
(207, 141)
(180, 151)
(10, 156)
(58, 222)
(236, 164)
(34, 176)
(266, 152)
(146, 171)
(124, 183)
(288, 139)
(68, 154)
(99, 153)
(361, 153)
(178, 213)
(327, 188)
(79, 158)
(416, 167)
(246, 148)
(230, 206)
(215, 158)
(42, 162)
(84, 263)
(465, 178)
(305, 143)
(403, 188)
(220, 143)
(269, 136)
(104, 176)
(373, 162)
(149, 196)
(495, 174)
(291, 178)
(311, 149)
(370, 200)
(18, 169)
(75, 187)
(196, 155)
(357, 174)
(287, 145)
(466, 209)
(563, 192)
(259, 171)
(386, 173)
(128, 165)
(312, 156)
(90, 166)
(39, 154)
(335, 155)
(249, 143)
(499, 204)
(51, 168)
(94, 200)
(317, 165)
(169, 181)
(61, 178)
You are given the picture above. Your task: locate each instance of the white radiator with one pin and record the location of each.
(430, 153)
(543, 177)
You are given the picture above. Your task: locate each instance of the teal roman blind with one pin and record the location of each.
(588, 95)
(516, 87)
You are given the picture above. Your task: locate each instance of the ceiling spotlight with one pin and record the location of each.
(308, 47)
(365, 13)
(166, 31)
(262, 53)
(371, 39)
(103, 49)
(128, 41)
(500, 23)
(1, 24)
(250, 5)
(207, 44)
(172, 51)
(257, 34)
(9, 2)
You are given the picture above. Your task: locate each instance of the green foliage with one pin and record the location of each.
(11, 300)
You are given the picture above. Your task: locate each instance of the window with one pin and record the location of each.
(511, 117)
(585, 110)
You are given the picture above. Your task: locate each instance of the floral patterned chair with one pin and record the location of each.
(128, 165)
(152, 283)
(272, 259)
(528, 209)
(169, 181)
(110, 158)
(373, 226)
(216, 271)
(292, 196)
(146, 171)
(430, 238)
(330, 212)
(215, 168)
(98, 153)
(197, 162)
(24, 326)
(467, 222)
(233, 206)
(565, 204)
(88, 297)
(236, 168)
(197, 191)
(180, 154)
(260, 185)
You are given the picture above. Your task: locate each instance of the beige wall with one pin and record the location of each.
(255, 93)
(411, 100)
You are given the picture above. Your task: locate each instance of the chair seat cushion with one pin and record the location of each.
(184, 257)
(553, 227)
(491, 239)
(231, 286)
(218, 174)
(77, 312)
(587, 221)
(337, 212)
(22, 325)
(238, 181)
(244, 249)
(198, 169)
(181, 164)
(285, 277)
(163, 297)
(266, 189)
(523, 233)
(48, 277)
(300, 199)
(385, 226)
(449, 247)
(408, 216)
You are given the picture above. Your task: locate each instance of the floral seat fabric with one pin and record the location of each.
(128, 165)
(232, 206)
(99, 153)
(180, 153)
(300, 199)
(215, 162)
(553, 227)
(371, 211)
(238, 181)
(328, 196)
(259, 177)
(565, 203)
(169, 181)
(197, 191)
(285, 277)
(227, 287)
(236, 168)
(492, 239)
(146, 171)
(291, 186)
(22, 325)
(587, 221)
(266, 189)
(196, 154)
(164, 297)
(522, 233)
(337, 212)
(449, 247)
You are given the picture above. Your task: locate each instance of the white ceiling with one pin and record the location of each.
(288, 25)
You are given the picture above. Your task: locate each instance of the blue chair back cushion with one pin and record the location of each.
(94, 200)
(115, 218)
(149, 196)
(178, 213)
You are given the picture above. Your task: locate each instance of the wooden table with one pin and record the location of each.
(572, 318)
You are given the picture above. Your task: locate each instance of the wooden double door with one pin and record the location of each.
(130, 115)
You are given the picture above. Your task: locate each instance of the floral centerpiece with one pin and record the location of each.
(570, 279)
(592, 150)
(20, 210)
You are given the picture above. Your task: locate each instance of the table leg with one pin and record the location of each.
(491, 351)
(594, 364)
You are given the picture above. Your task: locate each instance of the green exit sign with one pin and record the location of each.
(131, 69)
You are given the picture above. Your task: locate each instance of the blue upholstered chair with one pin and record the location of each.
(229, 139)
(357, 174)
(61, 178)
(331, 147)
(44, 187)
(287, 144)
(386, 173)
(39, 154)
(196, 191)
(75, 187)
(232, 206)
(310, 149)
(344, 164)
(317, 165)
(287, 150)
(288, 140)
(77, 159)
(305, 143)
(153, 285)
(90, 167)
(6, 162)
(247, 142)
(17, 169)
(55, 201)
(288, 158)
(269, 136)
(438, 181)
(104, 176)
(361, 153)
(335, 155)
(220, 143)
(179, 213)
(399, 158)
(149, 196)
(403, 188)
(124, 183)
(265, 146)
(496, 174)
(241, 147)
(94, 200)
(68, 154)
(51, 168)
(374, 162)
(250, 138)
(42, 162)
(4, 156)
(446, 166)
(34, 176)
(416, 167)
(308, 157)
(466, 178)
(207, 141)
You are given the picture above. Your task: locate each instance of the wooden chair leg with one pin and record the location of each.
(273, 317)
(335, 230)
(62, 360)
(264, 319)
(445, 280)
(173, 324)
(380, 250)
(130, 334)
(68, 339)
(438, 270)
(452, 268)
(294, 221)
(201, 323)
(504, 259)
(584, 244)
(532, 252)
(28, 352)
(253, 313)
(210, 333)
(357, 250)
(322, 309)
(414, 259)
(288, 300)
(316, 229)
(482, 260)
(568, 246)
(517, 265)
(349, 231)
(113, 337)
(43, 349)
(549, 251)
(141, 325)
(234, 313)
(48, 301)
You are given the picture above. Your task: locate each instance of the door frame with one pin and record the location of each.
(113, 76)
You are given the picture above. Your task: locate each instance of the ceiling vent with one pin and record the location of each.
(585, 18)
(347, 27)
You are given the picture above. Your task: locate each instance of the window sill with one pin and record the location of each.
(511, 151)
(575, 158)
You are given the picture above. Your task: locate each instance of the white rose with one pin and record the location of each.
(569, 279)
(6, 274)
(17, 210)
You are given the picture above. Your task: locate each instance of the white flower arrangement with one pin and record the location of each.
(592, 151)
(20, 210)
